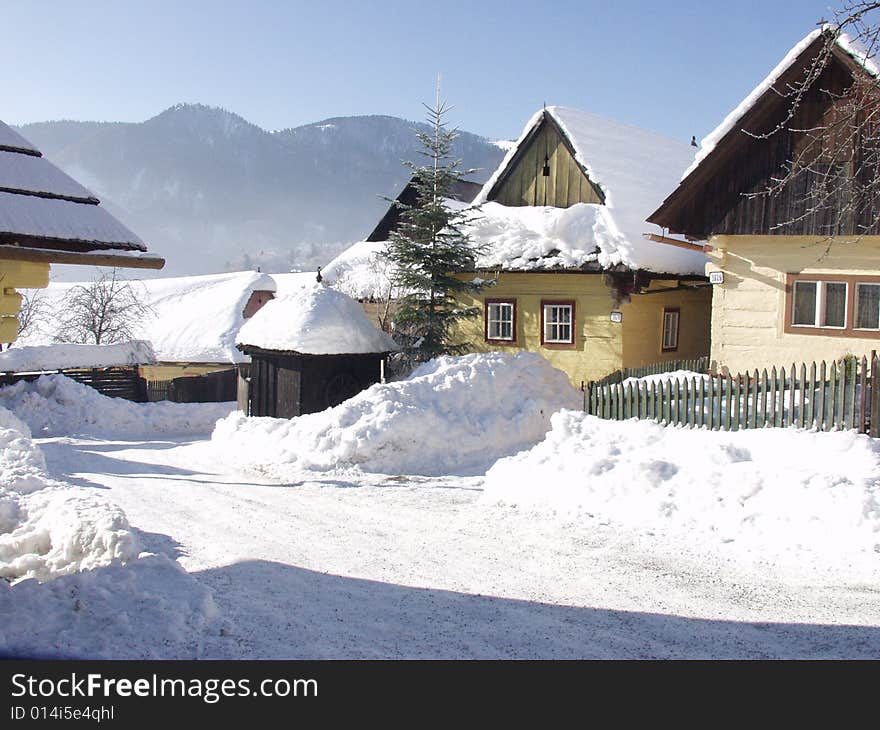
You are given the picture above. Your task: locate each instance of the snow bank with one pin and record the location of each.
(48, 529)
(72, 583)
(798, 494)
(314, 320)
(453, 415)
(54, 405)
(148, 609)
(60, 356)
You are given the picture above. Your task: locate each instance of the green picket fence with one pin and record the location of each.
(697, 365)
(841, 395)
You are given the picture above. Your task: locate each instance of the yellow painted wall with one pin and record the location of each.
(17, 275)
(748, 309)
(643, 324)
(601, 346)
(166, 371)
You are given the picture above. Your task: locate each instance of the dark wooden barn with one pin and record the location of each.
(287, 384)
(309, 351)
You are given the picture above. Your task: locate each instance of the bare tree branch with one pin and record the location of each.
(106, 311)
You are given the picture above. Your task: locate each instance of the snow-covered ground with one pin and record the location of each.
(600, 540)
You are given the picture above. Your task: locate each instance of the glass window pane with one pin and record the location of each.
(868, 306)
(804, 310)
(835, 304)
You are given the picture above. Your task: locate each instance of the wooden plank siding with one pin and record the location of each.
(727, 193)
(525, 184)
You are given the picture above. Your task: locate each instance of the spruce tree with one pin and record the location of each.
(429, 247)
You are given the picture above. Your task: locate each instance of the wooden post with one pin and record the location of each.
(863, 395)
(820, 404)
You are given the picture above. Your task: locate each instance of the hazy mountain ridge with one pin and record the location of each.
(211, 191)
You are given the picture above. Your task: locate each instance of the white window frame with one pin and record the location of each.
(674, 315)
(510, 306)
(548, 322)
(859, 285)
(819, 314)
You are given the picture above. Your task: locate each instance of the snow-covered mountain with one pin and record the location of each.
(211, 192)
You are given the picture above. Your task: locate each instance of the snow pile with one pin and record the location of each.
(53, 405)
(48, 529)
(635, 169)
(60, 356)
(683, 376)
(783, 491)
(454, 415)
(123, 605)
(315, 320)
(147, 609)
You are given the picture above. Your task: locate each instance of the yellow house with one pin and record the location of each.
(572, 273)
(47, 217)
(796, 281)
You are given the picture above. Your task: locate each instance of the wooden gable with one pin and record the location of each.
(727, 193)
(523, 181)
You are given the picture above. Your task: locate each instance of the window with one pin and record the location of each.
(670, 329)
(557, 323)
(500, 320)
(821, 304)
(867, 306)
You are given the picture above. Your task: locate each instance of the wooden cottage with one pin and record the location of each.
(572, 275)
(47, 217)
(309, 350)
(795, 282)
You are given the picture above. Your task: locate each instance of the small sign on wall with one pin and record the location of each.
(716, 277)
(617, 317)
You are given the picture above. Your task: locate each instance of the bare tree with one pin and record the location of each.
(34, 312)
(108, 310)
(834, 167)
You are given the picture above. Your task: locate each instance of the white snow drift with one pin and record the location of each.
(453, 415)
(72, 582)
(54, 405)
(781, 490)
(59, 356)
(48, 529)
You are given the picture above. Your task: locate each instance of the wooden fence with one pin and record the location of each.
(841, 395)
(697, 365)
(216, 387)
(116, 382)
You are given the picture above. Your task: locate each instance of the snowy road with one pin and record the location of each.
(416, 567)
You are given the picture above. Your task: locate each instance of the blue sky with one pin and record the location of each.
(676, 67)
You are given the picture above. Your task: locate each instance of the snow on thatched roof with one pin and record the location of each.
(314, 320)
(633, 167)
(43, 207)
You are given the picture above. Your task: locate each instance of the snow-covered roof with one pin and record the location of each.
(12, 140)
(39, 201)
(198, 317)
(634, 168)
(314, 320)
(62, 356)
(360, 271)
(846, 43)
(193, 318)
(292, 281)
